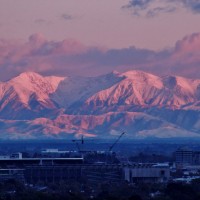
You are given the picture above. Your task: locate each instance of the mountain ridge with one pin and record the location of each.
(32, 105)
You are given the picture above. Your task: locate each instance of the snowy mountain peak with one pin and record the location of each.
(143, 103)
(116, 73)
(28, 79)
(28, 90)
(137, 73)
(186, 85)
(28, 75)
(143, 78)
(139, 88)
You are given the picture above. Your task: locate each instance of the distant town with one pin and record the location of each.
(89, 170)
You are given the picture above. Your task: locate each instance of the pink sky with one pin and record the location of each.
(94, 22)
(99, 36)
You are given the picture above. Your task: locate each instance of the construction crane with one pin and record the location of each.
(117, 140)
(81, 141)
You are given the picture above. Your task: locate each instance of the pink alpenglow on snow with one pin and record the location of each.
(146, 105)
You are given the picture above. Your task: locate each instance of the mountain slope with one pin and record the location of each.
(27, 96)
(74, 90)
(145, 105)
(146, 90)
(137, 125)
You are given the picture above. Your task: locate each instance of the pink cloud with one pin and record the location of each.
(189, 44)
(37, 39)
(72, 57)
(185, 58)
(69, 47)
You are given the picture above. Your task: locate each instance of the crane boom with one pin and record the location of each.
(112, 146)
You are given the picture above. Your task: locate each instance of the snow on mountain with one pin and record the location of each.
(26, 93)
(77, 89)
(145, 105)
(166, 132)
(29, 83)
(146, 90)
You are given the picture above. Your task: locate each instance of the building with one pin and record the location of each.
(52, 173)
(55, 153)
(12, 156)
(94, 174)
(12, 173)
(196, 158)
(34, 170)
(40, 161)
(55, 169)
(184, 156)
(147, 173)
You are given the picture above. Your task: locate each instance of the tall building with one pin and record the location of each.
(184, 156)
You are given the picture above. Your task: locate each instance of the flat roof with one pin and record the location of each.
(14, 159)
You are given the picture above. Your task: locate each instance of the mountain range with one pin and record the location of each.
(144, 105)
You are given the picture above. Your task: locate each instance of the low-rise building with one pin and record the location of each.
(56, 169)
(147, 173)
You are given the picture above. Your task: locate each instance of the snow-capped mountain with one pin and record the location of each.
(34, 106)
(74, 90)
(27, 96)
(146, 90)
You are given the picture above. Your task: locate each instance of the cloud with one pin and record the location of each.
(141, 4)
(151, 8)
(37, 39)
(193, 5)
(38, 54)
(70, 56)
(190, 44)
(40, 21)
(158, 10)
(67, 17)
(137, 6)
(186, 56)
